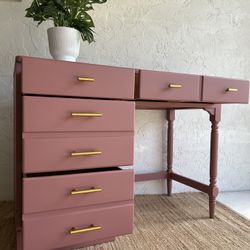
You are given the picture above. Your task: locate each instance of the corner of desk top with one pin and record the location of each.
(19, 59)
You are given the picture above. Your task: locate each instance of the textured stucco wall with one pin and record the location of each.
(210, 37)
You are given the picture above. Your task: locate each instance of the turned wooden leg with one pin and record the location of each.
(170, 139)
(213, 192)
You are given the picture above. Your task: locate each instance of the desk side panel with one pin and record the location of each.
(18, 146)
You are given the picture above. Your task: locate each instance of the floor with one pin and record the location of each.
(237, 201)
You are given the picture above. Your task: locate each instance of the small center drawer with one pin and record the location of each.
(42, 114)
(51, 77)
(78, 152)
(223, 90)
(164, 86)
(56, 230)
(76, 190)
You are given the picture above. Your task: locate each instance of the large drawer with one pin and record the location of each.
(223, 90)
(43, 76)
(164, 86)
(56, 230)
(67, 114)
(59, 154)
(76, 190)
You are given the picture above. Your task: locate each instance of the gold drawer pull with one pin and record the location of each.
(75, 114)
(75, 154)
(87, 191)
(84, 230)
(232, 90)
(86, 79)
(175, 86)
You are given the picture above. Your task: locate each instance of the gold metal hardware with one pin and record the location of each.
(232, 90)
(175, 86)
(86, 79)
(74, 154)
(75, 114)
(87, 191)
(84, 230)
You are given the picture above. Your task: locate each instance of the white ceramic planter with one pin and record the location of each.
(64, 43)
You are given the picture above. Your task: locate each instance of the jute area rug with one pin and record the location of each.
(181, 222)
(167, 223)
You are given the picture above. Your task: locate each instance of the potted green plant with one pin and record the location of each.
(72, 22)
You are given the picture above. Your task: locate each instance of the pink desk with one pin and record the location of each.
(74, 128)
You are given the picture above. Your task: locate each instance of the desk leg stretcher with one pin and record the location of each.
(169, 175)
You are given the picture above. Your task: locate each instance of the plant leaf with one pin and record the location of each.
(69, 13)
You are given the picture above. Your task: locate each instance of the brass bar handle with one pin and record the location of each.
(86, 79)
(77, 114)
(86, 191)
(232, 90)
(175, 86)
(84, 230)
(75, 154)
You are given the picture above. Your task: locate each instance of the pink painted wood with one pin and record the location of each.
(51, 230)
(53, 154)
(116, 185)
(17, 108)
(156, 86)
(92, 243)
(43, 76)
(215, 90)
(151, 176)
(170, 149)
(75, 134)
(42, 114)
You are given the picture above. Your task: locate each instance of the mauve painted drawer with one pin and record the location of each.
(110, 186)
(50, 114)
(54, 154)
(52, 230)
(223, 90)
(164, 86)
(51, 77)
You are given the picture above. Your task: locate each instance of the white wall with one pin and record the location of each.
(210, 37)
